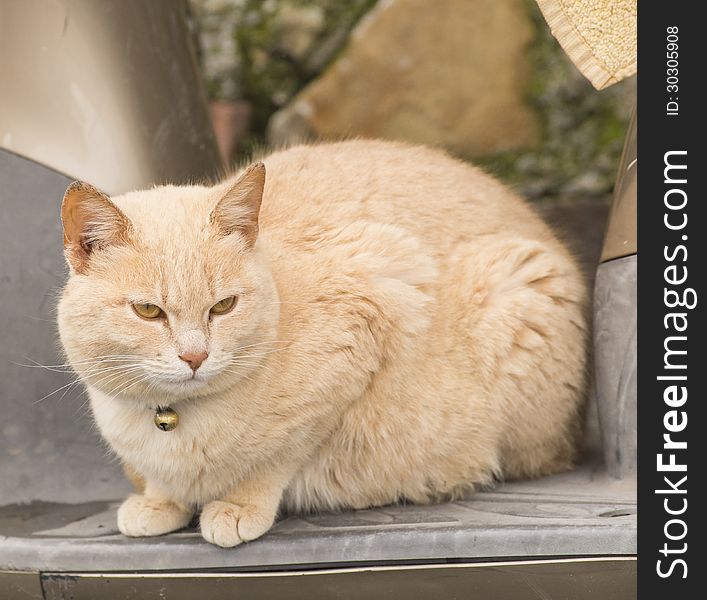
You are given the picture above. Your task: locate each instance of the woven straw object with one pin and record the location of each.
(599, 36)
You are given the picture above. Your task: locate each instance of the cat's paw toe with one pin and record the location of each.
(139, 516)
(227, 525)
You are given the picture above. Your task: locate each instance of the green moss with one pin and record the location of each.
(281, 52)
(265, 51)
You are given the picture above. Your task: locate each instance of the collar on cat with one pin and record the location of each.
(166, 418)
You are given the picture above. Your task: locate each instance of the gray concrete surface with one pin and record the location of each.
(49, 449)
(580, 513)
(615, 343)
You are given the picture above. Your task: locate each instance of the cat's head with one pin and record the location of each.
(169, 294)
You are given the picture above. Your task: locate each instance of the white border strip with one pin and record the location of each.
(226, 575)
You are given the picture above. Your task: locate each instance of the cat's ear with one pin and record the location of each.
(238, 209)
(91, 221)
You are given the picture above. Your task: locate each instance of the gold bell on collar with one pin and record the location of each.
(166, 419)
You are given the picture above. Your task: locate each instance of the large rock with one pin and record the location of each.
(452, 73)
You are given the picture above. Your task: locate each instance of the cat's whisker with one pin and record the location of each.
(259, 354)
(262, 354)
(247, 355)
(261, 344)
(252, 359)
(69, 367)
(114, 393)
(106, 365)
(110, 378)
(245, 362)
(94, 359)
(240, 374)
(59, 389)
(243, 368)
(151, 387)
(109, 375)
(265, 350)
(66, 391)
(54, 369)
(255, 360)
(99, 369)
(113, 356)
(135, 382)
(86, 378)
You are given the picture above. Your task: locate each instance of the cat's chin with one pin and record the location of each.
(175, 389)
(184, 387)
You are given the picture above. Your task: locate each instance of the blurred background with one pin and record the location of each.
(483, 79)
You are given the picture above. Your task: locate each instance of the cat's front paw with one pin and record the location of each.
(141, 516)
(226, 524)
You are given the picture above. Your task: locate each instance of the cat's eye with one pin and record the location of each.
(223, 306)
(148, 311)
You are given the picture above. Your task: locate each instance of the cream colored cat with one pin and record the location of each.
(388, 324)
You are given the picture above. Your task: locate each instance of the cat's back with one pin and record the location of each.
(456, 304)
(313, 189)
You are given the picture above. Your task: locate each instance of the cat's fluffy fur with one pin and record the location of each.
(406, 328)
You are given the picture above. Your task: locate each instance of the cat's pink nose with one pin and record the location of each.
(194, 359)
